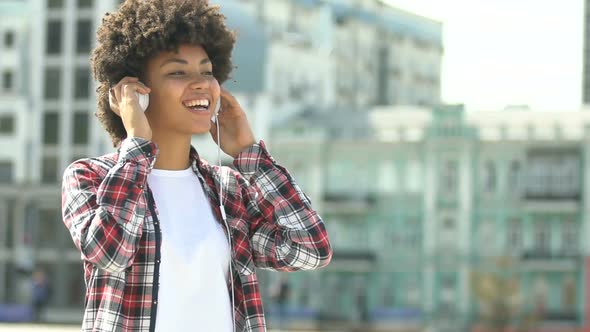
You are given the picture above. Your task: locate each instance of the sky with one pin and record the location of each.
(507, 52)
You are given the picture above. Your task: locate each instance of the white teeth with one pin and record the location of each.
(200, 102)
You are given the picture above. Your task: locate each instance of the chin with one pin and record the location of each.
(200, 130)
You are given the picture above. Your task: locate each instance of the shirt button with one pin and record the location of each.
(155, 302)
(149, 154)
(140, 186)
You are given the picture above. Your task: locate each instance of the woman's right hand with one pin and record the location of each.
(124, 102)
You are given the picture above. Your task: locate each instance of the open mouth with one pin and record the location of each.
(198, 105)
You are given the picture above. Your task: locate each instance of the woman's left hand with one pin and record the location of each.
(236, 134)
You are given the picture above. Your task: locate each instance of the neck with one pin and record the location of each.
(174, 152)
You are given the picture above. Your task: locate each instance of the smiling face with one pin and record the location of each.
(184, 91)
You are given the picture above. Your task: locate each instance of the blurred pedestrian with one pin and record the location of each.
(40, 293)
(281, 294)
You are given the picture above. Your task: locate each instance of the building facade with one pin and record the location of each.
(586, 55)
(312, 56)
(431, 210)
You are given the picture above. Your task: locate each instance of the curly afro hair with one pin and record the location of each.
(141, 29)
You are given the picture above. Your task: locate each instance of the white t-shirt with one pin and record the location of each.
(194, 268)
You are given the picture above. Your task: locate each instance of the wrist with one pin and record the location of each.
(243, 148)
(147, 135)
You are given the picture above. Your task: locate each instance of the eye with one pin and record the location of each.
(177, 73)
(208, 73)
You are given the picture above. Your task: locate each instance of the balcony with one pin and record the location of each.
(348, 202)
(353, 261)
(560, 316)
(544, 260)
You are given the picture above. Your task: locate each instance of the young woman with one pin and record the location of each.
(170, 242)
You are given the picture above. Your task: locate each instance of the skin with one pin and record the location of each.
(172, 78)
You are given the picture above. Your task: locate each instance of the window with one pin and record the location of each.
(448, 183)
(569, 240)
(6, 124)
(85, 3)
(447, 233)
(388, 296)
(487, 237)
(540, 291)
(50, 128)
(9, 235)
(83, 36)
(414, 176)
(5, 171)
(82, 88)
(8, 39)
(554, 175)
(514, 176)
(54, 37)
(11, 283)
(49, 169)
(55, 4)
(514, 238)
(542, 238)
(7, 81)
(80, 128)
(413, 294)
(489, 176)
(387, 177)
(52, 83)
(569, 295)
(76, 290)
(49, 229)
(412, 234)
(447, 293)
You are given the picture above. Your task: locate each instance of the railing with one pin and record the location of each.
(548, 255)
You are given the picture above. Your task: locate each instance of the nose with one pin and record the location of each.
(199, 82)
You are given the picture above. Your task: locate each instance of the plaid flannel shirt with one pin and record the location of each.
(110, 213)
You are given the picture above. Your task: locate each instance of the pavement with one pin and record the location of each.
(61, 328)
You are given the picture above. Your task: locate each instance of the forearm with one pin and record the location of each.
(287, 233)
(105, 217)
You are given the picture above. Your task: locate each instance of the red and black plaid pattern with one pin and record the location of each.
(109, 211)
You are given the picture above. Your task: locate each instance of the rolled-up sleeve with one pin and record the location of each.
(286, 232)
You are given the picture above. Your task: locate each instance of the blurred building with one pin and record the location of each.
(420, 201)
(15, 144)
(586, 56)
(297, 60)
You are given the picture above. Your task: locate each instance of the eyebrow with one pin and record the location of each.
(184, 62)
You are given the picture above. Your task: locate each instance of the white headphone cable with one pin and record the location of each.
(222, 210)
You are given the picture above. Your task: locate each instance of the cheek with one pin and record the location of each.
(166, 93)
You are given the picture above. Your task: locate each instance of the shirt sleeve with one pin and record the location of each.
(105, 214)
(286, 232)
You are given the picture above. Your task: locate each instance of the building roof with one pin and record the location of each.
(395, 20)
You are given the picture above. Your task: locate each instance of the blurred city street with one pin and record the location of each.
(445, 145)
(37, 328)
(70, 328)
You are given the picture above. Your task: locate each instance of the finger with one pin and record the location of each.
(118, 87)
(128, 89)
(142, 88)
(113, 104)
(229, 102)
